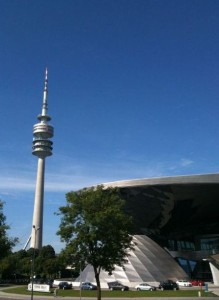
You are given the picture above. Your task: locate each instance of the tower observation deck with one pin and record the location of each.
(42, 132)
(42, 147)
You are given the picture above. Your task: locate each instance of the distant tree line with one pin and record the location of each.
(16, 266)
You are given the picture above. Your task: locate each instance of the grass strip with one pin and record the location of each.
(22, 290)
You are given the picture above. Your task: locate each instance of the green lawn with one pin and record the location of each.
(111, 294)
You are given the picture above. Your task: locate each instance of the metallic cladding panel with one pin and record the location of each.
(148, 263)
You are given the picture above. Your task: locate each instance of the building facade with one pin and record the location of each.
(176, 219)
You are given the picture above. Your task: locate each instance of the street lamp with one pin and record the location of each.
(79, 259)
(80, 279)
(33, 259)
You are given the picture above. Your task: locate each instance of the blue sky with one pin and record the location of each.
(133, 93)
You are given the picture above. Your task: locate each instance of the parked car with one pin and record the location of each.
(168, 285)
(65, 285)
(88, 286)
(145, 287)
(197, 282)
(115, 285)
(184, 283)
(49, 282)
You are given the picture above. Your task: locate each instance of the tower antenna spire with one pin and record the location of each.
(45, 94)
(42, 147)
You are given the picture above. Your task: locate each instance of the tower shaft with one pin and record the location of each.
(37, 228)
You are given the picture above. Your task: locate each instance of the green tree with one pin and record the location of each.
(46, 262)
(7, 266)
(12, 264)
(6, 243)
(96, 229)
(47, 252)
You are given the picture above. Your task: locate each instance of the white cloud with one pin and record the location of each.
(186, 162)
(11, 183)
(66, 174)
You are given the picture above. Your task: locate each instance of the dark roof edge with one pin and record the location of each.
(183, 179)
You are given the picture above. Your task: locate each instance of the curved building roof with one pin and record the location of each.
(170, 180)
(176, 207)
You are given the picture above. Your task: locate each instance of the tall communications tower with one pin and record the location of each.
(42, 147)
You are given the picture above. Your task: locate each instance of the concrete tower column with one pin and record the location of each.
(37, 236)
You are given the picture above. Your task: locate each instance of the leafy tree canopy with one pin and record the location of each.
(47, 264)
(6, 243)
(96, 228)
(47, 252)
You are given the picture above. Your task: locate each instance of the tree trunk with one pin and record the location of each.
(97, 277)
